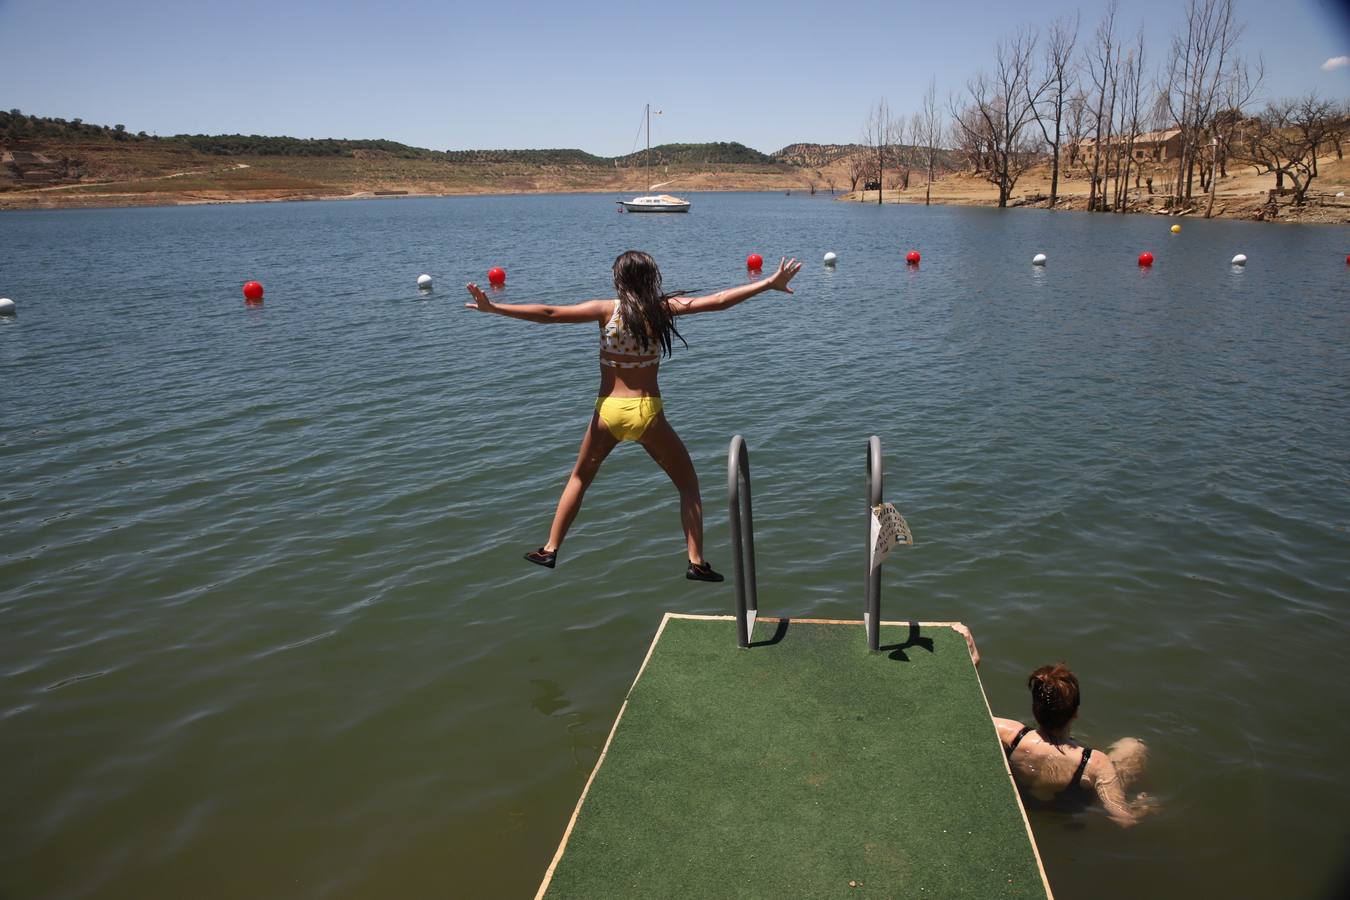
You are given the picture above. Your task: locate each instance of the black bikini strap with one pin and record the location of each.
(1082, 767)
(1017, 740)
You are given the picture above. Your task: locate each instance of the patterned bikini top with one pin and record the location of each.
(616, 339)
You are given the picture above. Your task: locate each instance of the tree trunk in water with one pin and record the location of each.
(1181, 171)
(881, 171)
(1213, 183)
(1125, 181)
(1054, 175)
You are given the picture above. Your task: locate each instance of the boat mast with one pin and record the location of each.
(649, 146)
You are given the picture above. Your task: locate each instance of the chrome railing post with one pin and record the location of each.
(742, 539)
(872, 586)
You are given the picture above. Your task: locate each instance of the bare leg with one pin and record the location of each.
(1129, 756)
(665, 446)
(595, 446)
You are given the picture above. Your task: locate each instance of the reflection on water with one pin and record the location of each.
(260, 590)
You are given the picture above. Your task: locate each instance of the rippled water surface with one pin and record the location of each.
(264, 625)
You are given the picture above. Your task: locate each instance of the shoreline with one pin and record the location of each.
(1237, 208)
(962, 189)
(69, 174)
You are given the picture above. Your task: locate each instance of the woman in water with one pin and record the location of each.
(635, 333)
(1047, 762)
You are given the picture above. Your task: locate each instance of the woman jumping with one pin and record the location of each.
(635, 333)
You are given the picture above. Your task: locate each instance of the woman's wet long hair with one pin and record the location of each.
(1054, 695)
(644, 308)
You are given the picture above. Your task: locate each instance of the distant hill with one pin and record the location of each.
(75, 162)
(262, 145)
(19, 129)
(566, 157)
(16, 127)
(24, 131)
(815, 155)
(819, 156)
(718, 153)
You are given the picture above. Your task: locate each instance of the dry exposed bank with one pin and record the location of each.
(80, 176)
(1240, 195)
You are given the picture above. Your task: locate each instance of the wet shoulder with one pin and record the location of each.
(1100, 769)
(1007, 729)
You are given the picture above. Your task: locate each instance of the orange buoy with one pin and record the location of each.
(253, 291)
(754, 262)
(497, 276)
(912, 257)
(1146, 259)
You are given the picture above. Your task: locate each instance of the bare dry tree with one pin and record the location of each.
(1076, 112)
(1003, 105)
(1059, 71)
(969, 136)
(927, 131)
(902, 152)
(1133, 111)
(858, 163)
(1284, 139)
(877, 134)
(1237, 92)
(1340, 128)
(1102, 63)
(1198, 67)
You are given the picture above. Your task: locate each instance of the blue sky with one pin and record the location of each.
(454, 75)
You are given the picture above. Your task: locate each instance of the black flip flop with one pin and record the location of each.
(703, 572)
(541, 557)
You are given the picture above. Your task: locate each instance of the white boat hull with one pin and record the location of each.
(664, 203)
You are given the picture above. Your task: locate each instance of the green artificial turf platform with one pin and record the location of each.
(804, 766)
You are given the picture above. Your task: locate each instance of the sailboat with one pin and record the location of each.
(654, 202)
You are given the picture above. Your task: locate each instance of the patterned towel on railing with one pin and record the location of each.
(889, 528)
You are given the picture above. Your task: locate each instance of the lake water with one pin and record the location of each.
(264, 625)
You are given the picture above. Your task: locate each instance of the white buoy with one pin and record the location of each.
(424, 282)
(6, 306)
(1240, 259)
(831, 258)
(1038, 259)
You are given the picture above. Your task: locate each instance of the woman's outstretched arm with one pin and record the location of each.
(778, 281)
(589, 311)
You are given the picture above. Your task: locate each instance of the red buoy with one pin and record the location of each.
(754, 262)
(253, 291)
(496, 276)
(1145, 259)
(912, 257)
(1347, 259)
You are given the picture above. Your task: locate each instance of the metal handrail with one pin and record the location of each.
(742, 539)
(872, 586)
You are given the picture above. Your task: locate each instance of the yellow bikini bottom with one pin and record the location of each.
(628, 417)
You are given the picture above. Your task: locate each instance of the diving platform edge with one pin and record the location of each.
(1026, 877)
